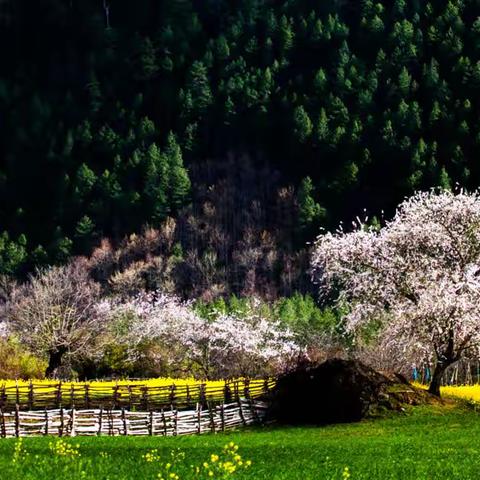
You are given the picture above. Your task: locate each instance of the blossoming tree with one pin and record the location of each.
(226, 345)
(56, 314)
(418, 276)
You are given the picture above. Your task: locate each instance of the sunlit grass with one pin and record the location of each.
(428, 442)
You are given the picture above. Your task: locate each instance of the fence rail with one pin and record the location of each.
(72, 422)
(41, 396)
(464, 372)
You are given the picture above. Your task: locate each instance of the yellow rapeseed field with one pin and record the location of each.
(39, 393)
(466, 392)
(138, 384)
(150, 382)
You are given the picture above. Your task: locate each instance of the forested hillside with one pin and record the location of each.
(224, 132)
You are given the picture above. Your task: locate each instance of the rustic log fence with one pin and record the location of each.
(135, 396)
(108, 422)
(464, 372)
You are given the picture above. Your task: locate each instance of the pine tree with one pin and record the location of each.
(388, 133)
(320, 81)
(322, 130)
(94, 93)
(148, 67)
(85, 180)
(303, 126)
(399, 8)
(404, 81)
(435, 113)
(310, 213)
(179, 183)
(13, 254)
(84, 231)
(157, 183)
(286, 34)
(222, 50)
(444, 180)
(84, 133)
(199, 87)
(146, 130)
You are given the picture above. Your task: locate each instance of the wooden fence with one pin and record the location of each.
(464, 372)
(43, 396)
(72, 422)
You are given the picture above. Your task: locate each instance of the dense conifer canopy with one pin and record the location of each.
(109, 109)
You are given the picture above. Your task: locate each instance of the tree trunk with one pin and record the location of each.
(54, 361)
(436, 382)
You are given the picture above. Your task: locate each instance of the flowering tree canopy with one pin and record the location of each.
(56, 314)
(225, 345)
(419, 276)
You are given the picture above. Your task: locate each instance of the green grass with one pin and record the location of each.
(427, 443)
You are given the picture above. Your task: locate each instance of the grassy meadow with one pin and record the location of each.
(434, 442)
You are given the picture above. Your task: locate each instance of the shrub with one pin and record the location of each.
(16, 362)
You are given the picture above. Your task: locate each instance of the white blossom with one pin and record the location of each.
(419, 276)
(223, 345)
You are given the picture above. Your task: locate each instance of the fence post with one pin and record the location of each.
(124, 419)
(236, 389)
(3, 398)
(115, 395)
(227, 393)
(145, 398)
(253, 409)
(110, 422)
(203, 394)
(240, 407)
(17, 393)
(212, 417)
(222, 416)
(30, 396)
(17, 420)
(164, 420)
(87, 395)
(150, 423)
(129, 388)
(46, 421)
(100, 420)
(4, 430)
(59, 395)
(266, 386)
(175, 419)
(72, 422)
(172, 397)
(246, 388)
(199, 418)
(60, 432)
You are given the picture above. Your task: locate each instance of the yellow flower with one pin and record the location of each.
(346, 474)
(214, 458)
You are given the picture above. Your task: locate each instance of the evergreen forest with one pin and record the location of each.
(199, 146)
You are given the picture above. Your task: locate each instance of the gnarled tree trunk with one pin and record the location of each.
(436, 382)
(54, 361)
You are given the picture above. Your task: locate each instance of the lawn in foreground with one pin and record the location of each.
(427, 443)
